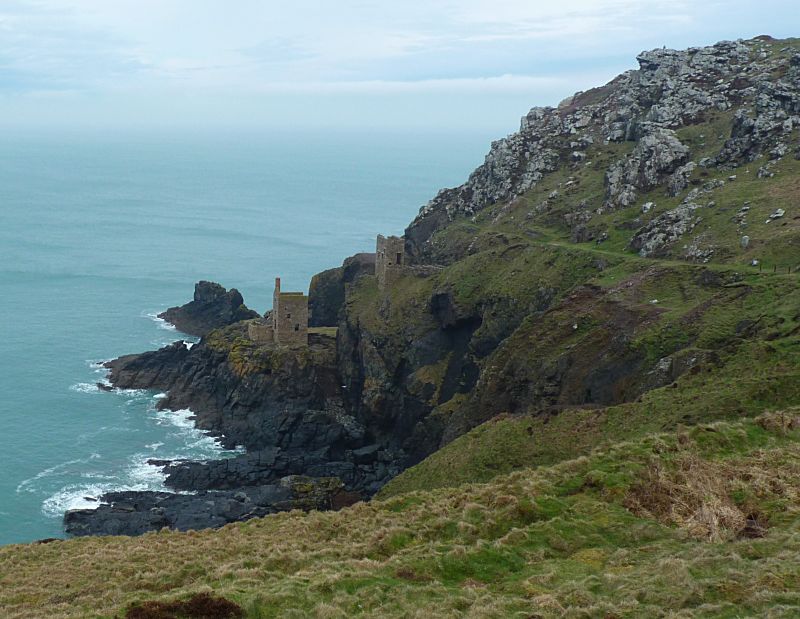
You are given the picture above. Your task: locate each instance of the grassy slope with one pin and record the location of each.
(661, 524)
(750, 375)
(755, 370)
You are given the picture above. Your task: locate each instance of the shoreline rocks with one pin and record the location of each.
(284, 406)
(211, 308)
(134, 513)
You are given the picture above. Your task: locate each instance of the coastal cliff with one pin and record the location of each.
(628, 244)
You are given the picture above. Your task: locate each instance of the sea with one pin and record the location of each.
(102, 230)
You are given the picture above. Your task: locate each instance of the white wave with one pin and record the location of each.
(85, 388)
(140, 473)
(74, 496)
(131, 393)
(183, 418)
(188, 344)
(197, 444)
(159, 396)
(154, 446)
(97, 476)
(137, 476)
(160, 322)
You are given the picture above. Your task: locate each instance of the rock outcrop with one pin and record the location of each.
(134, 513)
(211, 308)
(656, 156)
(283, 406)
(670, 90)
(326, 293)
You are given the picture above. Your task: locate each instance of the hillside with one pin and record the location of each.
(561, 404)
(701, 523)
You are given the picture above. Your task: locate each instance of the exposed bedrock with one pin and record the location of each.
(211, 308)
(671, 90)
(134, 513)
(326, 293)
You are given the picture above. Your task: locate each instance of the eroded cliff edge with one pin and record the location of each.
(598, 254)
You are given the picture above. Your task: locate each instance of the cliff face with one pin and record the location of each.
(752, 87)
(607, 250)
(284, 406)
(542, 301)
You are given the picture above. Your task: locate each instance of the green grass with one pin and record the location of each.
(741, 375)
(643, 528)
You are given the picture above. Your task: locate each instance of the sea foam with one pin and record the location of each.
(138, 475)
(162, 324)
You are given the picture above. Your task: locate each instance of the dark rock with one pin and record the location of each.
(134, 513)
(211, 308)
(709, 278)
(326, 293)
(366, 454)
(581, 234)
(443, 307)
(159, 369)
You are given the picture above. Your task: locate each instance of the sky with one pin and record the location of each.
(316, 64)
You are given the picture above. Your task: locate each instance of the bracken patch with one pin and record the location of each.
(199, 606)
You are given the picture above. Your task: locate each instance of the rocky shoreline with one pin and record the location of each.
(302, 450)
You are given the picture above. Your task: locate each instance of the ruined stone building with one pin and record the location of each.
(390, 255)
(286, 324)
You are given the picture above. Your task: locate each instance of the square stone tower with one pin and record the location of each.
(289, 317)
(390, 257)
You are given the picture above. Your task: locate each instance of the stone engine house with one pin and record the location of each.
(286, 324)
(390, 257)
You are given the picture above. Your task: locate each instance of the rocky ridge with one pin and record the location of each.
(670, 90)
(538, 300)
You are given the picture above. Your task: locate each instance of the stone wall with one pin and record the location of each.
(289, 317)
(261, 331)
(389, 259)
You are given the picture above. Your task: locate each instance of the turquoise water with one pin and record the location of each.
(100, 233)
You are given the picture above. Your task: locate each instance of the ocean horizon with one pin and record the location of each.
(102, 231)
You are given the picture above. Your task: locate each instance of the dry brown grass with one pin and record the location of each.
(535, 542)
(699, 495)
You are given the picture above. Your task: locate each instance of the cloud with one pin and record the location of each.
(158, 49)
(45, 49)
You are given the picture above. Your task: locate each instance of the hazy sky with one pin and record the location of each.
(337, 63)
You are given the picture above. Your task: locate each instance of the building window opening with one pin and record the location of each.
(297, 327)
(399, 258)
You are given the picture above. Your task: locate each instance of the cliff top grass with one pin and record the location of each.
(745, 335)
(701, 522)
(246, 357)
